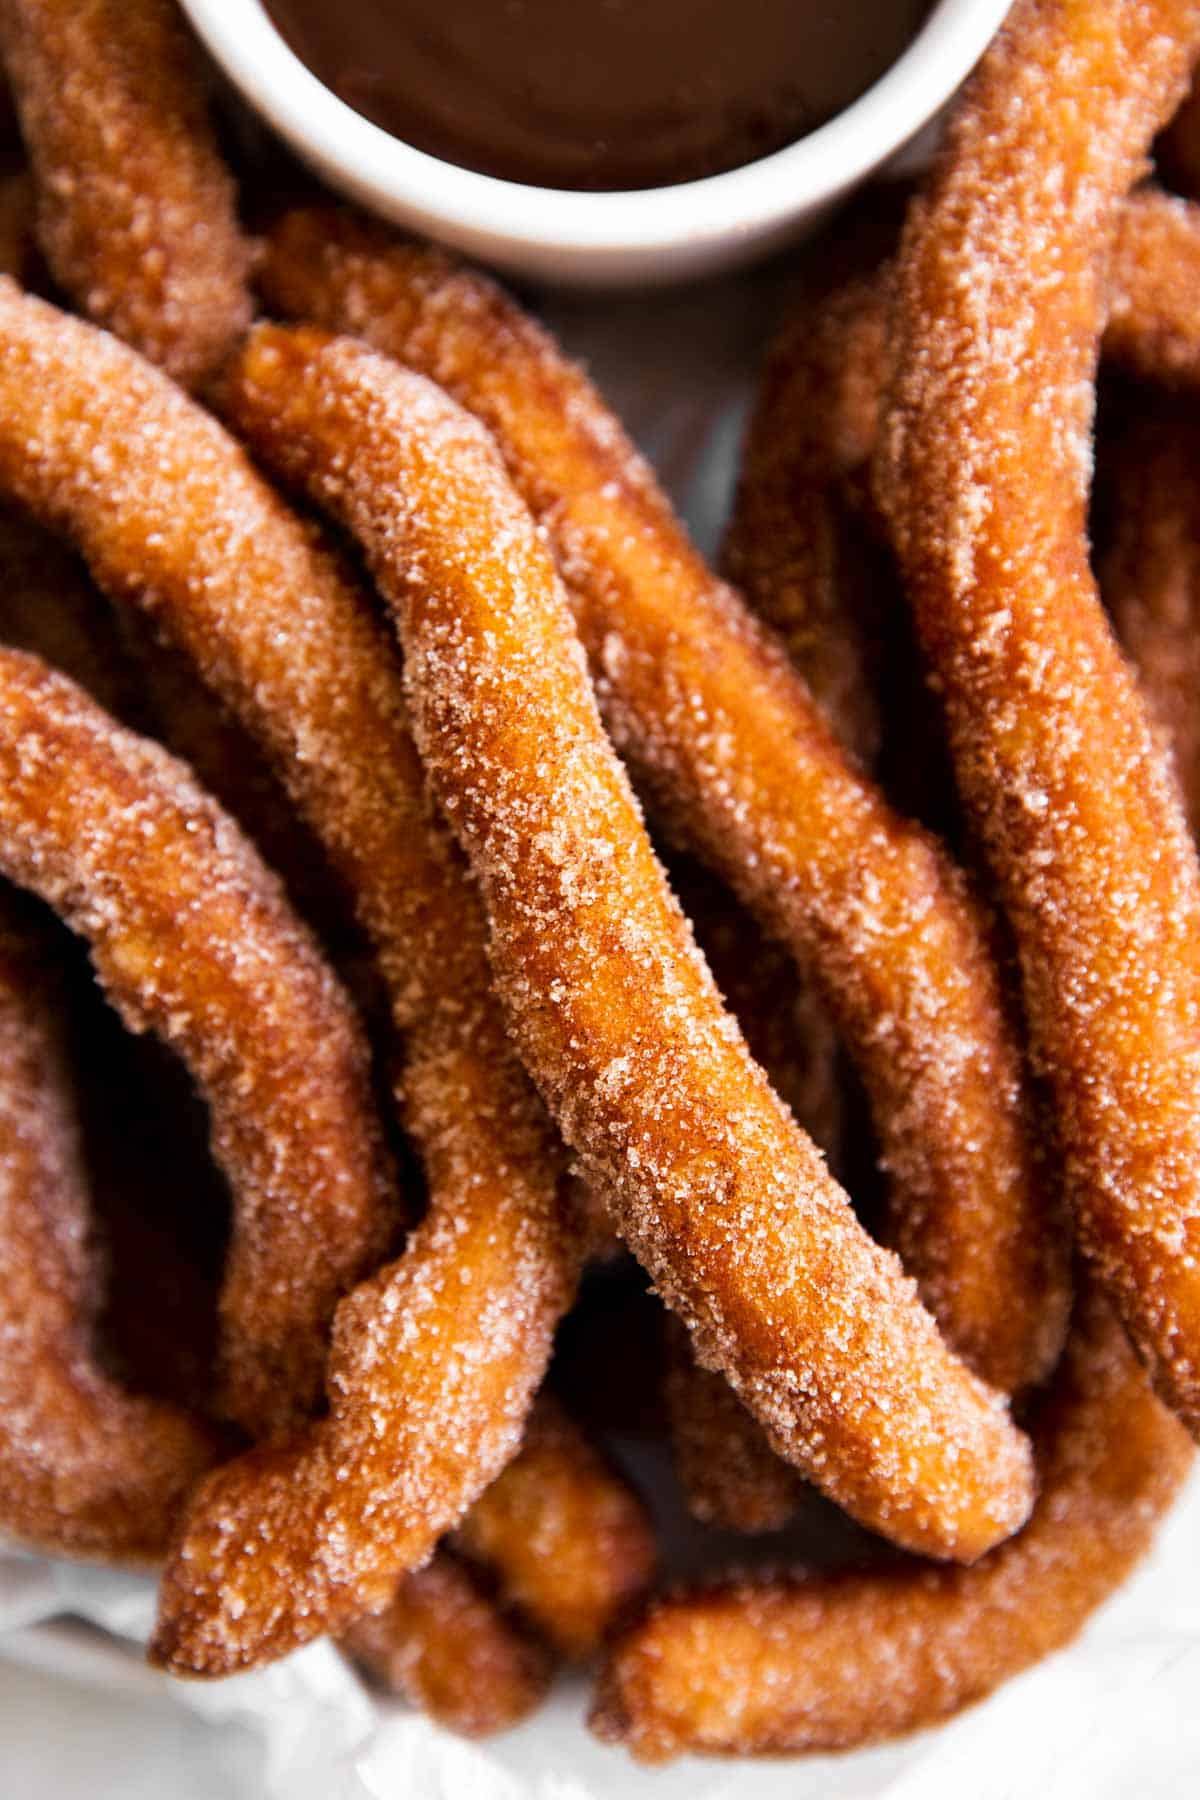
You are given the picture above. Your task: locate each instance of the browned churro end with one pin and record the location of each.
(443, 1645)
(563, 1534)
(830, 1662)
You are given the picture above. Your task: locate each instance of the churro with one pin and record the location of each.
(171, 517)
(740, 764)
(442, 1644)
(192, 939)
(984, 467)
(826, 1662)
(724, 1200)
(562, 1534)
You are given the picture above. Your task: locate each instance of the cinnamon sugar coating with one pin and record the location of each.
(828, 1662)
(1153, 327)
(443, 1645)
(724, 1200)
(738, 762)
(450, 1343)
(86, 1468)
(984, 470)
(135, 207)
(192, 939)
(563, 1535)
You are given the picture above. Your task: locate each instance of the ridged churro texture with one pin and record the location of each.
(725, 1201)
(984, 470)
(135, 208)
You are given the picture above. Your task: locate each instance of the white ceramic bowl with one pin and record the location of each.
(654, 235)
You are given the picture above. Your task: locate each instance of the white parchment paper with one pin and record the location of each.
(1116, 1716)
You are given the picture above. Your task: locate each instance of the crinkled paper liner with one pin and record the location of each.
(1115, 1716)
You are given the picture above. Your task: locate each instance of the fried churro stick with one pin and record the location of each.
(827, 1662)
(729, 1473)
(803, 563)
(450, 1343)
(135, 207)
(1153, 321)
(192, 939)
(1150, 573)
(444, 1646)
(740, 763)
(725, 1201)
(86, 1468)
(563, 1534)
(984, 467)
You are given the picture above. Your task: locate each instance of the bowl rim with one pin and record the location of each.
(744, 202)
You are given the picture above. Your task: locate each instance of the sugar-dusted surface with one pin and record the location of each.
(722, 1197)
(730, 745)
(562, 1534)
(192, 939)
(437, 1359)
(1153, 326)
(985, 463)
(813, 561)
(172, 518)
(135, 207)
(1150, 572)
(86, 1468)
(443, 1645)
(826, 1662)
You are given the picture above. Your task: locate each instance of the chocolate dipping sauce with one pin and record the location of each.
(598, 93)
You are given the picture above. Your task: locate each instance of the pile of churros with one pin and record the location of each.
(525, 903)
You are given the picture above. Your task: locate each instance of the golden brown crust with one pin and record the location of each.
(442, 1644)
(827, 1662)
(192, 939)
(984, 471)
(1149, 574)
(1153, 322)
(180, 524)
(86, 1468)
(726, 1203)
(563, 1535)
(135, 207)
(172, 518)
(742, 766)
